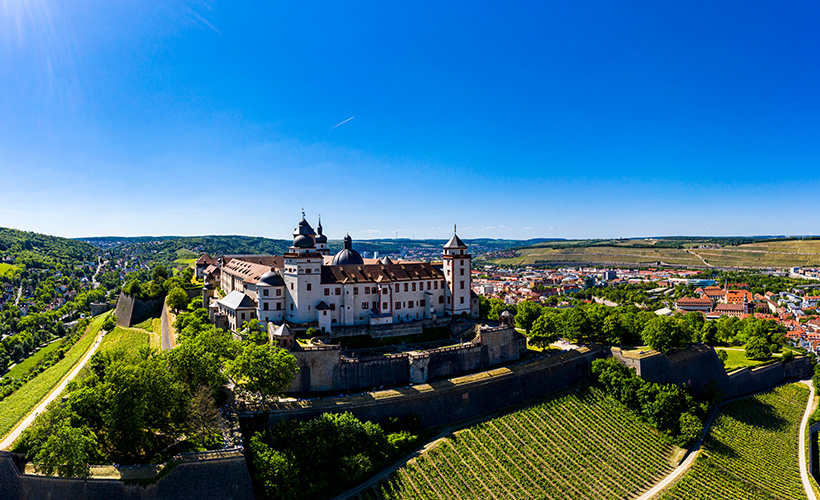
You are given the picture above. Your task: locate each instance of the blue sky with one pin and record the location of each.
(549, 119)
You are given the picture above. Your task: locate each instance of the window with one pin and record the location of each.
(421, 303)
(327, 292)
(462, 299)
(442, 285)
(265, 292)
(406, 287)
(375, 305)
(441, 299)
(243, 316)
(332, 307)
(461, 285)
(448, 300)
(398, 306)
(308, 286)
(355, 290)
(338, 291)
(435, 285)
(307, 270)
(414, 287)
(386, 290)
(291, 286)
(366, 290)
(278, 292)
(266, 306)
(428, 285)
(278, 306)
(397, 288)
(462, 271)
(291, 307)
(365, 305)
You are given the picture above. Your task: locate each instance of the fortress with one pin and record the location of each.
(307, 287)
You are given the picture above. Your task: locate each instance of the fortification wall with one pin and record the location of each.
(210, 479)
(131, 311)
(457, 360)
(698, 366)
(366, 373)
(451, 400)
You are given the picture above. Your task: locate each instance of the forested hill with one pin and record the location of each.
(34, 250)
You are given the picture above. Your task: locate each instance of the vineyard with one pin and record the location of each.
(580, 445)
(751, 451)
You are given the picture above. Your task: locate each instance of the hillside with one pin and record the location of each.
(579, 445)
(700, 252)
(40, 250)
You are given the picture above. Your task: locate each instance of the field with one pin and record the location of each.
(185, 258)
(22, 367)
(579, 445)
(18, 404)
(131, 340)
(776, 254)
(751, 451)
(8, 270)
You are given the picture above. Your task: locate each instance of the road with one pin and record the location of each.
(167, 340)
(9, 439)
(19, 294)
(94, 281)
(804, 470)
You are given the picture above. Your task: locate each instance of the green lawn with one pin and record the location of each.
(22, 367)
(15, 407)
(8, 269)
(737, 359)
(128, 339)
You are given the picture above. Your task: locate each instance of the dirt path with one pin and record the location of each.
(804, 470)
(701, 258)
(168, 336)
(9, 439)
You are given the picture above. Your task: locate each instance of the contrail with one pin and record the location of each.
(341, 123)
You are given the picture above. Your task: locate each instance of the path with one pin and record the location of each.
(701, 258)
(804, 474)
(94, 281)
(9, 439)
(167, 338)
(19, 294)
(695, 450)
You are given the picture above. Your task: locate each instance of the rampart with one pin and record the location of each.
(326, 369)
(131, 311)
(217, 479)
(698, 366)
(450, 400)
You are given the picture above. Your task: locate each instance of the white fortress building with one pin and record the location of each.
(308, 287)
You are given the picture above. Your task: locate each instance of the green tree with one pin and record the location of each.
(757, 349)
(528, 312)
(690, 428)
(109, 323)
(203, 416)
(159, 274)
(67, 451)
(544, 330)
(664, 334)
(265, 370)
(177, 299)
(575, 326)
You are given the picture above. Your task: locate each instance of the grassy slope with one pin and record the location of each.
(771, 254)
(8, 269)
(17, 405)
(737, 359)
(23, 366)
(751, 451)
(579, 445)
(128, 339)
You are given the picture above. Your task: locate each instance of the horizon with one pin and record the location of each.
(576, 121)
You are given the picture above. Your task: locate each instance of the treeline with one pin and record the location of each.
(671, 408)
(147, 406)
(322, 457)
(630, 325)
(36, 250)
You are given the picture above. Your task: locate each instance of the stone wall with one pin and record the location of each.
(209, 479)
(131, 311)
(451, 400)
(698, 366)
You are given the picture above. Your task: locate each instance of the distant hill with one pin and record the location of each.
(39, 250)
(699, 252)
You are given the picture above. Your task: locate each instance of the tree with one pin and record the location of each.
(544, 330)
(787, 356)
(690, 428)
(575, 326)
(109, 323)
(263, 369)
(664, 334)
(528, 312)
(757, 349)
(177, 299)
(67, 451)
(203, 417)
(159, 274)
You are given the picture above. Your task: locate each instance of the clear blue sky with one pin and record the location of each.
(555, 119)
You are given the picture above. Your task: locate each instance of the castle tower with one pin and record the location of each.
(321, 239)
(456, 268)
(302, 275)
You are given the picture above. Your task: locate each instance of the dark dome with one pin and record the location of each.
(303, 241)
(321, 238)
(270, 278)
(346, 257)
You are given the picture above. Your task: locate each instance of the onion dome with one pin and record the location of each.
(347, 256)
(321, 238)
(303, 234)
